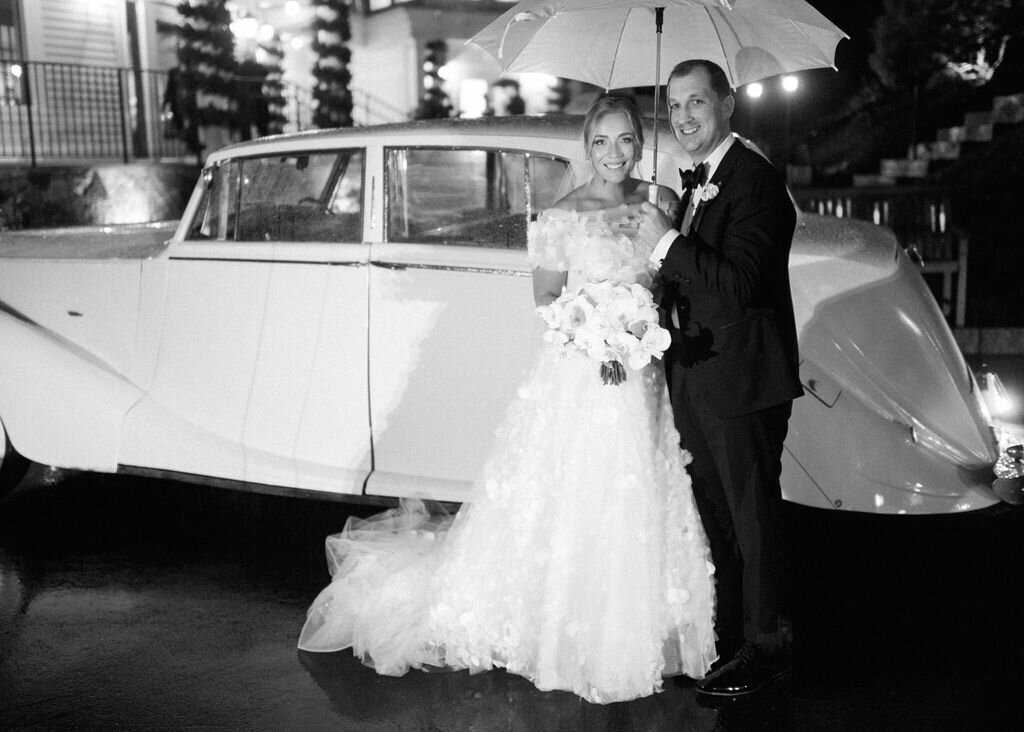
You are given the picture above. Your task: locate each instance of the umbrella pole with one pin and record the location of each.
(659, 19)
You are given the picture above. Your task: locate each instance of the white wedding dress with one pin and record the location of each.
(579, 561)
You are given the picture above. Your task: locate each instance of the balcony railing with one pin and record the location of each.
(52, 113)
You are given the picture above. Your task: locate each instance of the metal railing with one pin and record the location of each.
(366, 109)
(53, 112)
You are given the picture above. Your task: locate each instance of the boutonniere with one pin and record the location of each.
(707, 192)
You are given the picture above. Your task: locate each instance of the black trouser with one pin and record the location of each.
(735, 472)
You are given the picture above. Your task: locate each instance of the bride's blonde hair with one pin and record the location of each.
(609, 104)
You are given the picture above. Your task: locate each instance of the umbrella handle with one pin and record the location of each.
(659, 19)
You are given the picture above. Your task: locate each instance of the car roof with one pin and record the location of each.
(549, 126)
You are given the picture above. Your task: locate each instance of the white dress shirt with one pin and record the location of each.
(665, 243)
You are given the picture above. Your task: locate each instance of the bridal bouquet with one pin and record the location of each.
(614, 324)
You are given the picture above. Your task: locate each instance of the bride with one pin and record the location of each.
(579, 561)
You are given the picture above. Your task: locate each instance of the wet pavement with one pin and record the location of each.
(146, 604)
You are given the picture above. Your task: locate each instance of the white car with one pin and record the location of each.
(347, 313)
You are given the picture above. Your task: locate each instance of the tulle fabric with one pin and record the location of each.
(579, 561)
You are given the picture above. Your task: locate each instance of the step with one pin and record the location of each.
(903, 168)
(951, 134)
(865, 180)
(938, 150)
(1008, 109)
(977, 119)
(978, 133)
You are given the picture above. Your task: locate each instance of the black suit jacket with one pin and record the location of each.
(729, 280)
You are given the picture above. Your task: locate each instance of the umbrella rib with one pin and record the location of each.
(810, 41)
(728, 64)
(615, 56)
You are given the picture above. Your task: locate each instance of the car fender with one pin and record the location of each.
(53, 388)
(891, 421)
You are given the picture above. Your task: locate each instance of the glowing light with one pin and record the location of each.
(266, 33)
(472, 97)
(292, 7)
(297, 42)
(755, 90)
(247, 28)
(1000, 403)
(16, 70)
(790, 83)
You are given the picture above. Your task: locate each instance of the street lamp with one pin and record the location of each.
(753, 90)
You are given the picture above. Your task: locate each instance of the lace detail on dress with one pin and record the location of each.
(567, 241)
(579, 561)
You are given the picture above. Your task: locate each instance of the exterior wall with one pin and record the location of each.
(388, 48)
(159, 50)
(90, 32)
(385, 58)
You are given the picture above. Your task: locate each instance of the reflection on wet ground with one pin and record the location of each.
(149, 604)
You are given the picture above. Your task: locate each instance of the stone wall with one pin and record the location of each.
(94, 194)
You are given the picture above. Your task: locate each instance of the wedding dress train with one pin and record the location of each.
(579, 561)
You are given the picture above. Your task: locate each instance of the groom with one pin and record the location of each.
(732, 367)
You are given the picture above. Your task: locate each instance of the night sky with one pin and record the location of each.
(823, 92)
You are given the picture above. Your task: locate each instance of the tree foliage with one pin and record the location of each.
(331, 92)
(206, 59)
(273, 86)
(921, 42)
(434, 103)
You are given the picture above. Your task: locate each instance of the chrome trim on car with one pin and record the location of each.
(452, 268)
(269, 261)
(1009, 475)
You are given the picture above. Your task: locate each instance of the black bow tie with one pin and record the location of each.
(697, 176)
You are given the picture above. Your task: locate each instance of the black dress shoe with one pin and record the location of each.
(750, 670)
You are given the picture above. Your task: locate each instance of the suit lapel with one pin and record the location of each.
(721, 177)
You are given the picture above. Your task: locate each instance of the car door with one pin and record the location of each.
(452, 328)
(261, 372)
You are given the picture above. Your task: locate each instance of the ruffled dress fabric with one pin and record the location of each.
(579, 561)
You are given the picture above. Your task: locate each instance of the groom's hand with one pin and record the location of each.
(653, 223)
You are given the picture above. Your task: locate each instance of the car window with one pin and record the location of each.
(469, 197)
(291, 197)
(215, 217)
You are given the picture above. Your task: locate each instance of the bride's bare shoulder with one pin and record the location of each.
(572, 201)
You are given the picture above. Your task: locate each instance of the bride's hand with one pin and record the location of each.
(653, 224)
(624, 219)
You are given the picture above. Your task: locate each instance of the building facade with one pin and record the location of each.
(87, 79)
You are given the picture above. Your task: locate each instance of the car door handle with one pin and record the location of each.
(389, 265)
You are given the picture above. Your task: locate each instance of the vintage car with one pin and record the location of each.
(347, 313)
